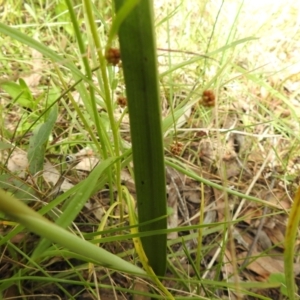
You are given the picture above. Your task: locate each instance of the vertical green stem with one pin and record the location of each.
(88, 71)
(139, 60)
(107, 94)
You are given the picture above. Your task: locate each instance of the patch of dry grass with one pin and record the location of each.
(248, 141)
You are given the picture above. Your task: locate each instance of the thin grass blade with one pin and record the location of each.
(289, 252)
(21, 213)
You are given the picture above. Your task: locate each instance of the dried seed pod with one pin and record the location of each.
(122, 101)
(208, 98)
(176, 148)
(201, 134)
(113, 56)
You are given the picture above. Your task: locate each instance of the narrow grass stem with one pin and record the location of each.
(103, 137)
(89, 74)
(107, 99)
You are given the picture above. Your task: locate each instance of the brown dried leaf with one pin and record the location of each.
(141, 287)
(263, 265)
(18, 163)
(33, 79)
(51, 175)
(276, 236)
(173, 218)
(249, 214)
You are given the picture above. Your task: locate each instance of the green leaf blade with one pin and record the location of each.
(138, 52)
(38, 142)
(20, 212)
